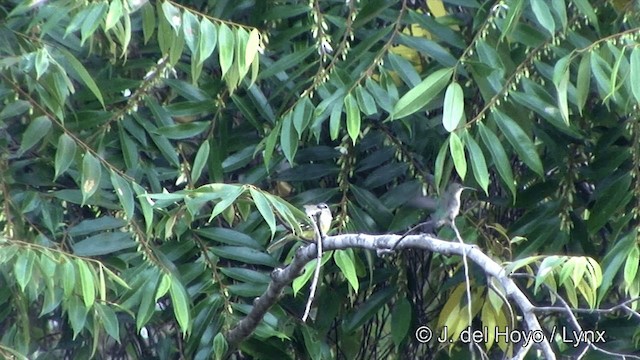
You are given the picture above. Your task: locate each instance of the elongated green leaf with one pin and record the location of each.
(512, 18)
(308, 271)
(86, 282)
(91, 173)
(561, 81)
(228, 236)
(191, 30)
(262, 204)
(353, 117)
(457, 154)
(23, 268)
(520, 142)
(180, 302)
(183, 131)
(453, 106)
(634, 72)
(76, 67)
(123, 191)
(440, 159)
(499, 156)
(543, 15)
(245, 255)
(37, 129)
(200, 161)
(478, 164)
(334, 120)
(289, 138)
(148, 21)
(113, 15)
(65, 154)
(226, 45)
(103, 243)
(228, 196)
(631, 265)
(418, 97)
(400, 321)
(145, 204)
(584, 81)
(365, 101)
(367, 309)
(208, 39)
(253, 45)
(345, 261)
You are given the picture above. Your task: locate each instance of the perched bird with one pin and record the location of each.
(321, 215)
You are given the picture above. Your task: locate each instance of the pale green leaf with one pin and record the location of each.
(208, 39)
(499, 156)
(520, 141)
(453, 107)
(114, 14)
(65, 154)
(86, 282)
(425, 92)
(37, 129)
(180, 303)
(478, 164)
(91, 173)
(200, 161)
(353, 117)
(123, 191)
(346, 262)
(457, 154)
(634, 72)
(226, 44)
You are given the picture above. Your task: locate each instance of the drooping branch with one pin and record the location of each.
(382, 244)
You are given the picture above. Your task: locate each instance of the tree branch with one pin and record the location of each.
(383, 244)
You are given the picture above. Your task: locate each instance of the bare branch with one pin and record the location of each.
(384, 243)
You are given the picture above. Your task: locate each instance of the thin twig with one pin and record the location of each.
(316, 274)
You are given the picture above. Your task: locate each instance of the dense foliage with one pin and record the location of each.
(152, 150)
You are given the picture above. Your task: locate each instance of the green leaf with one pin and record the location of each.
(96, 225)
(172, 14)
(288, 138)
(440, 159)
(365, 101)
(499, 156)
(543, 15)
(453, 107)
(228, 236)
(511, 20)
(345, 259)
(227, 44)
(76, 67)
(220, 346)
(103, 243)
(180, 302)
(353, 117)
(631, 265)
(425, 92)
(91, 173)
(183, 131)
(583, 84)
(262, 204)
(191, 30)
(200, 161)
(208, 39)
(37, 129)
(86, 282)
(113, 15)
(368, 309)
(478, 164)
(457, 154)
(334, 120)
(561, 81)
(147, 211)
(123, 191)
(163, 287)
(634, 72)
(308, 271)
(148, 21)
(245, 255)
(23, 268)
(253, 45)
(109, 320)
(65, 154)
(520, 141)
(400, 321)
(228, 196)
